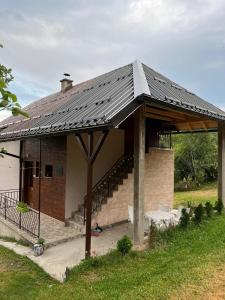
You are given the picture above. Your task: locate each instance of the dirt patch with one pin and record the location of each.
(210, 287)
(3, 269)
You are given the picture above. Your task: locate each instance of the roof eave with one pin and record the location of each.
(184, 107)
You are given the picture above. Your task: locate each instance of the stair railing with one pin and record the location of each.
(105, 183)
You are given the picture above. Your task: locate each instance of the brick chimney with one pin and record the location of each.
(66, 83)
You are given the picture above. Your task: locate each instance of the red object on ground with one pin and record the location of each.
(94, 233)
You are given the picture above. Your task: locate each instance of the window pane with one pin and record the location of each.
(37, 169)
(48, 171)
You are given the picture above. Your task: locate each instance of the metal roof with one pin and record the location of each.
(100, 101)
(167, 91)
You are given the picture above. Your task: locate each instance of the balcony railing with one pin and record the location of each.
(27, 221)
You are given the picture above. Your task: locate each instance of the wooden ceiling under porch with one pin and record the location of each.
(180, 121)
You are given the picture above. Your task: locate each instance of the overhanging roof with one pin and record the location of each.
(103, 102)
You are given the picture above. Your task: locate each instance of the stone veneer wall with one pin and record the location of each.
(159, 189)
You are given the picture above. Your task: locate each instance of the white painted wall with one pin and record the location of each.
(111, 151)
(9, 166)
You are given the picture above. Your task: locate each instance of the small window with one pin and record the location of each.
(37, 169)
(48, 171)
(59, 171)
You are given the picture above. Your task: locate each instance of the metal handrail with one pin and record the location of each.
(106, 180)
(27, 221)
(110, 171)
(12, 193)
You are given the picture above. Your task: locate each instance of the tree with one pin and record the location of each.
(195, 157)
(8, 100)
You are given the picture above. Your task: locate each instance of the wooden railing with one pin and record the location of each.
(28, 221)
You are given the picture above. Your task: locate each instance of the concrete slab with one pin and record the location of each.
(56, 259)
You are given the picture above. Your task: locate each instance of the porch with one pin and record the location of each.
(57, 259)
(26, 226)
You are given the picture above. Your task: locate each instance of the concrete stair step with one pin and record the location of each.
(77, 226)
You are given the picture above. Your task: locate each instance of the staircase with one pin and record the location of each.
(105, 187)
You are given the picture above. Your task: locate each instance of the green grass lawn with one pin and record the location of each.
(183, 259)
(206, 193)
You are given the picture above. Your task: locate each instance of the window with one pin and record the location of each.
(37, 170)
(28, 174)
(48, 171)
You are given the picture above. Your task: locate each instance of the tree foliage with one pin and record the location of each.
(8, 100)
(195, 157)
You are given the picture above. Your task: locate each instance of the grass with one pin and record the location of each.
(206, 193)
(182, 260)
(13, 240)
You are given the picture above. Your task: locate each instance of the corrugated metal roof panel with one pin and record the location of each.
(163, 89)
(92, 104)
(99, 101)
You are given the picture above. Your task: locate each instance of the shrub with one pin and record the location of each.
(124, 245)
(219, 206)
(208, 209)
(41, 241)
(22, 207)
(152, 235)
(184, 219)
(198, 214)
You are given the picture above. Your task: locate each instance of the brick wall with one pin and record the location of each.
(159, 189)
(53, 188)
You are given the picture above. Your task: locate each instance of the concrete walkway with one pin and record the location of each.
(55, 260)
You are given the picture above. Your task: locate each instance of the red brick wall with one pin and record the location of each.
(52, 189)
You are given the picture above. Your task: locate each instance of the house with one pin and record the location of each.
(89, 151)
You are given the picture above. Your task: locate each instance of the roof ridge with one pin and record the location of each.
(140, 82)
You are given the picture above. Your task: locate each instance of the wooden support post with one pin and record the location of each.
(89, 195)
(221, 161)
(91, 154)
(21, 172)
(139, 166)
(39, 187)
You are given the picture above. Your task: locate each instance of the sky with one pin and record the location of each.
(182, 39)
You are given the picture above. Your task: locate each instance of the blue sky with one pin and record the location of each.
(182, 39)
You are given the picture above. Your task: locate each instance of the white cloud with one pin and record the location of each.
(4, 114)
(182, 38)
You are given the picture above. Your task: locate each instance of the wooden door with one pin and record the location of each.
(28, 182)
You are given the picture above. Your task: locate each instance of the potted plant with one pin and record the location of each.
(38, 248)
(22, 207)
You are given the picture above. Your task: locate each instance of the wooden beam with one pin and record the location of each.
(165, 113)
(88, 202)
(91, 154)
(82, 145)
(190, 114)
(153, 116)
(21, 172)
(221, 161)
(98, 146)
(204, 125)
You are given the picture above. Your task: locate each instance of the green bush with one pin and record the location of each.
(219, 206)
(198, 214)
(41, 241)
(124, 245)
(208, 209)
(22, 207)
(184, 219)
(152, 235)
